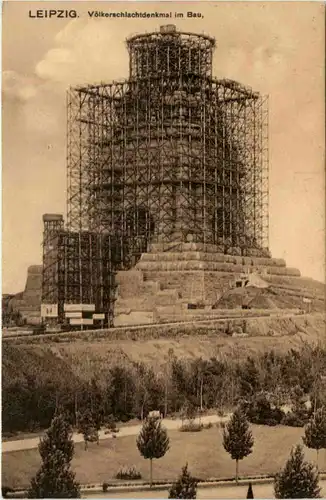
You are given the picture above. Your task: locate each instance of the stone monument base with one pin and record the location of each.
(186, 281)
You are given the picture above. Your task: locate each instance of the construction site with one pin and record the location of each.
(167, 199)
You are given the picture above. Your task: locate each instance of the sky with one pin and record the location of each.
(277, 48)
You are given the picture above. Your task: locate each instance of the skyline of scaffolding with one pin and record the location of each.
(167, 153)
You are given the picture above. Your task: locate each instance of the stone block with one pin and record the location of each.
(283, 271)
(150, 287)
(134, 318)
(129, 283)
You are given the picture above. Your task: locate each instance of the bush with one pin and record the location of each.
(126, 418)
(191, 427)
(8, 434)
(293, 420)
(5, 490)
(110, 423)
(128, 473)
(105, 487)
(298, 417)
(209, 425)
(259, 411)
(221, 425)
(93, 437)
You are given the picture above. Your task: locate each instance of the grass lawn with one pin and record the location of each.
(203, 451)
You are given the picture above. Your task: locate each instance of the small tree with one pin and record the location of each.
(98, 422)
(54, 479)
(152, 442)
(87, 427)
(58, 437)
(298, 479)
(237, 438)
(185, 486)
(315, 431)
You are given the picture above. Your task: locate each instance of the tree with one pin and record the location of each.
(149, 392)
(87, 427)
(58, 437)
(250, 493)
(250, 382)
(121, 393)
(298, 479)
(188, 411)
(237, 438)
(315, 431)
(185, 486)
(260, 411)
(97, 406)
(152, 442)
(54, 479)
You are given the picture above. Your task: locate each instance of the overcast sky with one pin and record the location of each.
(276, 48)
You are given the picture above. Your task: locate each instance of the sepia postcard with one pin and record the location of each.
(163, 249)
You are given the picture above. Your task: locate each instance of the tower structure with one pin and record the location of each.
(78, 275)
(169, 154)
(53, 268)
(167, 183)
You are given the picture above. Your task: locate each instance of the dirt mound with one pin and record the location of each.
(249, 296)
(269, 298)
(263, 300)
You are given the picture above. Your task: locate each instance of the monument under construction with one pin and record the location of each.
(167, 183)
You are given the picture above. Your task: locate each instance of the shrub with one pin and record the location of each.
(125, 418)
(128, 473)
(221, 425)
(298, 417)
(209, 425)
(293, 420)
(191, 427)
(110, 423)
(5, 490)
(185, 486)
(260, 411)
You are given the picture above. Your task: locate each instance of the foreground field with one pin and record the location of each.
(203, 451)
